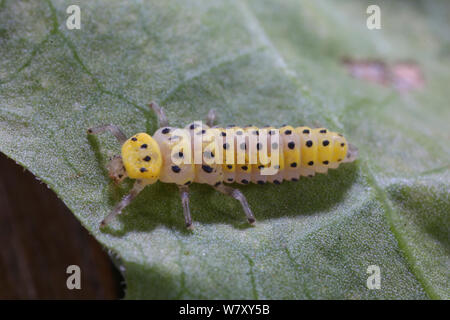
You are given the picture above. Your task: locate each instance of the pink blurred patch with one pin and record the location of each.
(402, 76)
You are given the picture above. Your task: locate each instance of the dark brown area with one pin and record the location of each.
(40, 238)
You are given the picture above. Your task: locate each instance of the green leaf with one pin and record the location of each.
(254, 62)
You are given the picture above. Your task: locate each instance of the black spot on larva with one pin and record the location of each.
(207, 168)
(230, 166)
(180, 154)
(165, 130)
(325, 143)
(239, 133)
(325, 162)
(230, 179)
(218, 183)
(294, 164)
(142, 169)
(342, 144)
(288, 132)
(144, 146)
(176, 169)
(188, 183)
(223, 134)
(258, 146)
(291, 145)
(193, 126)
(260, 182)
(309, 143)
(323, 131)
(294, 179)
(276, 182)
(311, 163)
(226, 146)
(306, 131)
(244, 168)
(274, 145)
(243, 146)
(244, 181)
(256, 132)
(271, 132)
(147, 158)
(260, 167)
(134, 139)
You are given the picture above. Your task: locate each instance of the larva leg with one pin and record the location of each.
(184, 195)
(111, 128)
(211, 117)
(235, 193)
(160, 114)
(126, 200)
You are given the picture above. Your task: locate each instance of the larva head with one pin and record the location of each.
(142, 157)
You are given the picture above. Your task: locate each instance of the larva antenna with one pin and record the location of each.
(162, 118)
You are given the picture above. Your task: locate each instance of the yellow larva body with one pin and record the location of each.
(169, 154)
(215, 156)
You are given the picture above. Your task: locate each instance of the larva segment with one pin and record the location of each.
(279, 176)
(243, 167)
(291, 148)
(213, 153)
(276, 146)
(255, 154)
(228, 167)
(176, 154)
(229, 173)
(203, 141)
(141, 157)
(324, 149)
(308, 150)
(263, 151)
(339, 150)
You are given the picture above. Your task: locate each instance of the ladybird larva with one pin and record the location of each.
(203, 153)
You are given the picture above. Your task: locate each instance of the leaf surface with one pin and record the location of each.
(260, 62)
